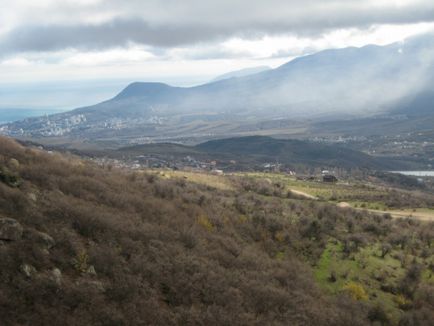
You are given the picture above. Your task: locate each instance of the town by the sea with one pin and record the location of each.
(10, 115)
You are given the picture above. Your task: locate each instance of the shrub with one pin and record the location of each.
(356, 291)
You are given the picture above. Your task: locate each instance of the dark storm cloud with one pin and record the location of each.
(169, 23)
(111, 34)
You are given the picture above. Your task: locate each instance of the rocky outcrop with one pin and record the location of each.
(56, 276)
(28, 270)
(10, 229)
(45, 239)
(92, 284)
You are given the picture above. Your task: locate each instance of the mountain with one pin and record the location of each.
(241, 73)
(332, 84)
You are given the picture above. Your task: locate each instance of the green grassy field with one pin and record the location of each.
(366, 276)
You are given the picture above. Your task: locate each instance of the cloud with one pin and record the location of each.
(100, 25)
(115, 33)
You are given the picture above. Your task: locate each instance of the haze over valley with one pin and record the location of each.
(391, 82)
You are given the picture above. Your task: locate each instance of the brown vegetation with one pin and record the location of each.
(136, 249)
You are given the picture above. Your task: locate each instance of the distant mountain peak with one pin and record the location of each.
(331, 84)
(141, 89)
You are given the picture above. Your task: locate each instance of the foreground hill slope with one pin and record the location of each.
(86, 245)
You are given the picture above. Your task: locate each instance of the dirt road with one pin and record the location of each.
(421, 215)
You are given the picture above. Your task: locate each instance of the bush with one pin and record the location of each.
(356, 291)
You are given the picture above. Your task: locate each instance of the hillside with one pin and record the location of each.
(332, 84)
(254, 151)
(88, 245)
(241, 73)
(295, 152)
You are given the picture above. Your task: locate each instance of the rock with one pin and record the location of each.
(45, 239)
(10, 229)
(45, 251)
(91, 270)
(57, 276)
(97, 285)
(33, 197)
(28, 270)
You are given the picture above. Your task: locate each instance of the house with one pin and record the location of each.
(329, 178)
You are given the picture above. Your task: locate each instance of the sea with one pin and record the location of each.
(416, 173)
(10, 115)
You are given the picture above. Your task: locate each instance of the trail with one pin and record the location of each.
(421, 216)
(417, 215)
(303, 194)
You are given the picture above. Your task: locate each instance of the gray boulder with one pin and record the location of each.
(28, 270)
(56, 276)
(45, 239)
(10, 229)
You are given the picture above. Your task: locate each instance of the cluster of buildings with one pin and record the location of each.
(44, 126)
(64, 124)
(154, 162)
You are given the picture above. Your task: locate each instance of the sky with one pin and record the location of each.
(68, 53)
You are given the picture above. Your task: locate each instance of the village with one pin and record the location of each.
(191, 164)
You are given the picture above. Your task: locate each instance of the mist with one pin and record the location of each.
(333, 83)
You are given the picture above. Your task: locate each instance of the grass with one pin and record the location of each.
(356, 194)
(329, 263)
(325, 191)
(365, 269)
(375, 205)
(209, 180)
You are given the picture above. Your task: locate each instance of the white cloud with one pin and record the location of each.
(45, 25)
(190, 41)
(16, 62)
(131, 55)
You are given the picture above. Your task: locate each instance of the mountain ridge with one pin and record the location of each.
(331, 84)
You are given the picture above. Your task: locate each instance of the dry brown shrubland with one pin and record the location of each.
(135, 249)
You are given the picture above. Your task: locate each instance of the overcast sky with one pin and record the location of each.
(187, 41)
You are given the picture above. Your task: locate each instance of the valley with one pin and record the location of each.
(378, 92)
